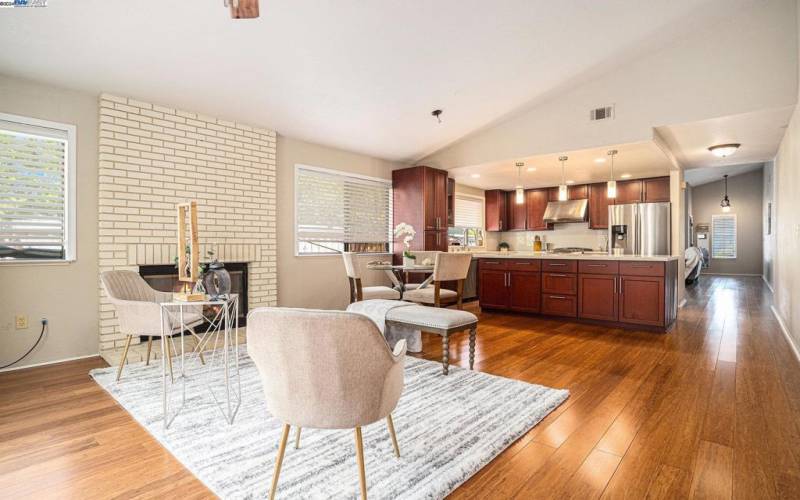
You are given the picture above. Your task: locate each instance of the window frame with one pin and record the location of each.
(735, 236)
(344, 173)
(70, 189)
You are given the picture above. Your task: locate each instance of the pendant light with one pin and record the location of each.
(520, 192)
(562, 188)
(611, 190)
(726, 203)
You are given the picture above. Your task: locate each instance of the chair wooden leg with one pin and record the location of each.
(445, 353)
(297, 439)
(124, 356)
(472, 333)
(390, 424)
(362, 474)
(149, 348)
(279, 461)
(168, 341)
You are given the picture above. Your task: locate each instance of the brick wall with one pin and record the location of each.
(152, 157)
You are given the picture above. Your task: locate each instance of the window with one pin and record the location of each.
(337, 211)
(37, 190)
(723, 236)
(467, 229)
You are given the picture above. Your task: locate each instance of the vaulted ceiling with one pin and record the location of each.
(362, 76)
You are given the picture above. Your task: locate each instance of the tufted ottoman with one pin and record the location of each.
(439, 321)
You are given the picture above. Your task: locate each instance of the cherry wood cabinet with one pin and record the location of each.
(559, 305)
(436, 240)
(525, 291)
(535, 205)
(578, 192)
(495, 208)
(451, 202)
(598, 206)
(597, 298)
(509, 284)
(420, 199)
(628, 192)
(559, 283)
(435, 199)
(492, 289)
(641, 300)
(656, 189)
(517, 213)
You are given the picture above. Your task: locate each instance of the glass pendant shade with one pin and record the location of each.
(726, 209)
(726, 203)
(520, 196)
(562, 192)
(611, 192)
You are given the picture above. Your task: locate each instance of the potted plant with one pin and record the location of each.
(407, 233)
(503, 246)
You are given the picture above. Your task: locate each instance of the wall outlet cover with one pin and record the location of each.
(21, 321)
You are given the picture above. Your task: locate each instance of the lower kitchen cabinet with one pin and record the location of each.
(525, 288)
(597, 297)
(559, 305)
(492, 289)
(641, 300)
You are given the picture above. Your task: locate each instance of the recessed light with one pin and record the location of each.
(599, 160)
(625, 176)
(723, 150)
(531, 169)
(570, 182)
(475, 176)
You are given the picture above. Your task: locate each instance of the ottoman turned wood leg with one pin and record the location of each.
(472, 332)
(445, 353)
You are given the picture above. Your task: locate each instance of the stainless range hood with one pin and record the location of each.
(566, 211)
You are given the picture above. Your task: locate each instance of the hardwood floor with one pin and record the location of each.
(709, 410)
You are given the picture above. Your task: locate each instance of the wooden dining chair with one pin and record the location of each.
(447, 267)
(354, 267)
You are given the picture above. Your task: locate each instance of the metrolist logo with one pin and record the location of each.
(10, 4)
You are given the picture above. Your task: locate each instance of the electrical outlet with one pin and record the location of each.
(21, 321)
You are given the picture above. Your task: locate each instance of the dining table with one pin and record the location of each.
(398, 273)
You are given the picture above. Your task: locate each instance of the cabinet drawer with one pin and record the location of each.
(641, 268)
(493, 264)
(559, 305)
(560, 266)
(559, 283)
(523, 265)
(598, 267)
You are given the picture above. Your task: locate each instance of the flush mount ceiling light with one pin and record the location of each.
(570, 182)
(625, 176)
(723, 150)
(519, 198)
(562, 188)
(242, 9)
(611, 187)
(475, 176)
(726, 203)
(599, 160)
(437, 113)
(531, 169)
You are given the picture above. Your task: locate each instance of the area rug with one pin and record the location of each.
(448, 428)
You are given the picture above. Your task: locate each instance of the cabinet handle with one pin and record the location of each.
(492, 263)
(559, 297)
(523, 263)
(596, 265)
(509, 280)
(641, 265)
(558, 275)
(615, 285)
(555, 264)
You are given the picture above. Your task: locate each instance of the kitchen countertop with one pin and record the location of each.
(572, 256)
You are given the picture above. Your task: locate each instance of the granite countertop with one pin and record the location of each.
(571, 256)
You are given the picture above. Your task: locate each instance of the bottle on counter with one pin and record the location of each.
(537, 244)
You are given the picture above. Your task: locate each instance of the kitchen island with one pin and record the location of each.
(617, 290)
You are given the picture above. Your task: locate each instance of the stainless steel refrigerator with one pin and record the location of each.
(639, 229)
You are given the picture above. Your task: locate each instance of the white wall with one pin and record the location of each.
(717, 71)
(65, 294)
(316, 281)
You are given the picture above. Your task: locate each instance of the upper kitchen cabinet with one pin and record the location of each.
(496, 210)
(420, 199)
(579, 192)
(656, 189)
(628, 192)
(598, 206)
(517, 214)
(535, 205)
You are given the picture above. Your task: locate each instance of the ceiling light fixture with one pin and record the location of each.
(723, 150)
(599, 160)
(475, 176)
(242, 9)
(726, 203)
(611, 186)
(625, 176)
(437, 113)
(562, 188)
(520, 192)
(531, 169)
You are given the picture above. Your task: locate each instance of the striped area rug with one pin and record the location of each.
(448, 428)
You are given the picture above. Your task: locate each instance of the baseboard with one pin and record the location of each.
(786, 334)
(15, 368)
(767, 283)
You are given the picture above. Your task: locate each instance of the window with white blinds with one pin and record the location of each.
(336, 212)
(36, 190)
(723, 236)
(468, 212)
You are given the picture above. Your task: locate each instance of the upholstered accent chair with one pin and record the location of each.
(422, 256)
(354, 266)
(325, 370)
(139, 312)
(448, 267)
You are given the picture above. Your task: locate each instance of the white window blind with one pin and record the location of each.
(723, 236)
(35, 201)
(468, 212)
(336, 211)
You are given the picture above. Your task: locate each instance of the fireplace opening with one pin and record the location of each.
(165, 279)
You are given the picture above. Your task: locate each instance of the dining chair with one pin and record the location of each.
(354, 267)
(447, 267)
(421, 256)
(325, 370)
(139, 312)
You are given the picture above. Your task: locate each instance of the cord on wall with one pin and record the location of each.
(41, 336)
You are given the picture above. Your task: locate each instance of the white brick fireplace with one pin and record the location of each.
(153, 157)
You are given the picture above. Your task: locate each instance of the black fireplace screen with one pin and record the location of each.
(165, 278)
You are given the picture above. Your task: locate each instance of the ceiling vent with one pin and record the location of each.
(604, 113)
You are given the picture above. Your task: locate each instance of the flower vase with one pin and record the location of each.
(408, 261)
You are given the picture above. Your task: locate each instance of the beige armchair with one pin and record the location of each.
(139, 313)
(448, 267)
(354, 267)
(325, 370)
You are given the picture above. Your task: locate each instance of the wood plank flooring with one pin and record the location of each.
(709, 410)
